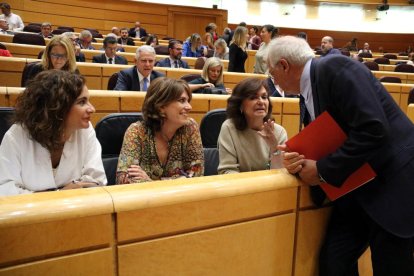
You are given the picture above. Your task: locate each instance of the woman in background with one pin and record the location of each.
(151, 40)
(167, 144)
(59, 54)
(237, 50)
(211, 77)
(192, 47)
(249, 138)
(267, 33)
(254, 39)
(221, 50)
(52, 144)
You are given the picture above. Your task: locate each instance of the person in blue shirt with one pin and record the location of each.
(192, 47)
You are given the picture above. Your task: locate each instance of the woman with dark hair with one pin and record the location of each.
(254, 39)
(151, 40)
(52, 144)
(59, 54)
(167, 144)
(267, 33)
(249, 138)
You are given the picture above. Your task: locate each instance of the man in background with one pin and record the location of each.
(125, 39)
(174, 60)
(13, 20)
(137, 31)
(110, 46)
(46, 30)
(139, 77)
(327, 47)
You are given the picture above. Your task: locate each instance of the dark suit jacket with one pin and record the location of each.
(237, 57)
(128, 79)
(378, 133)
(332, 51)
(129, 41)
(102, 59)
(166, 63)
(273, 92)
(142, 32)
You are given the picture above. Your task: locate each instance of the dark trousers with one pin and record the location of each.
(350, 232)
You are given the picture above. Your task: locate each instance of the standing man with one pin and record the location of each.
(139, 77)
(14, 21)
(380, 214)
(137, 32)
(174, 60)
(124, 39)
(110, 46)
(327, 47)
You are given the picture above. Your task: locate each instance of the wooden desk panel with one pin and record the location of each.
(11, 72)
(24, 50)
(131, 101)
(63, 236)
(237, 249)
(3, 96)
(96, 262)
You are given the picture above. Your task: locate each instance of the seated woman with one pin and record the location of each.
(151, 40)
(249, 138)
(192, 47)
(59, 54)
(52, 144)
(211, 77)
(167, 144)
(221, 50)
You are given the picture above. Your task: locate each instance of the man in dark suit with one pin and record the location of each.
(380, 214)
(109, 57)
(79, 56)
(139, 77)
(327, 47)
(137, 31)
(124, 39)
(175, 49)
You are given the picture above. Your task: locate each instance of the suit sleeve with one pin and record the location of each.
(124, 82)
(354, 99)
(95, 59)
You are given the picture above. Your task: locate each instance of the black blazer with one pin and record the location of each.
(237, 57)
(142, 32)
(102, 59)
(378, 133)
(271, 88)
(128, 79)
(166, 63)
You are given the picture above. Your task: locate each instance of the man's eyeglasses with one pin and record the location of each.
(58, 56)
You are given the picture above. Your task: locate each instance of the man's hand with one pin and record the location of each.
(309, 173)
(292, 161)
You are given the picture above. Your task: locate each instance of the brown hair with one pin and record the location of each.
(245, 89)
(161, 92)
(43, 106)
(65, 42)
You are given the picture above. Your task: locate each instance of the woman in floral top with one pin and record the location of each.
(167, 144)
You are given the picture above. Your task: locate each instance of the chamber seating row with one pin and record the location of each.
(256, 223)
(32, 52)
(285, 110)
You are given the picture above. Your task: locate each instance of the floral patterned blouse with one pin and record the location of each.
(185, 157)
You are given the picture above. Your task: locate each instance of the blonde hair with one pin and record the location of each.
(213, 62)
(65, 42)
(240, 37)
(193, 41)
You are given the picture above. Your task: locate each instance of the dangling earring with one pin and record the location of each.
(162, 114)
(241, 110)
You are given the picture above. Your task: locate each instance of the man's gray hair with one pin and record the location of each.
(144, 49)
(295, 50)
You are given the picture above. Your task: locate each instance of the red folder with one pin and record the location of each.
(320, 138)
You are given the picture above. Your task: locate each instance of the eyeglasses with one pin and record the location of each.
(58, 56)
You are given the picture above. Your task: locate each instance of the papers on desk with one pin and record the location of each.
(320, 138)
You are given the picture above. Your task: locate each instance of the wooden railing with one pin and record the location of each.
(257, 223)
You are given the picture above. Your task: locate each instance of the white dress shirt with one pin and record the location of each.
(26, 166)
(14, 21)
(306, 89)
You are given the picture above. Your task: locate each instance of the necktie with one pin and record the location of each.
(304, 114)
(145, 84)
(110, 60)
(176, 64)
